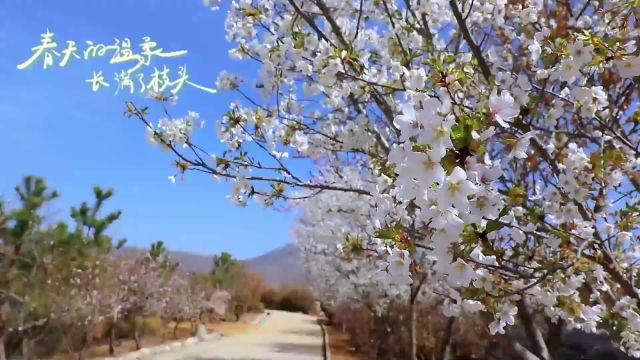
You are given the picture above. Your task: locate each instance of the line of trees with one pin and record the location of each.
(61, 284)
(250, 293)
(65, 286)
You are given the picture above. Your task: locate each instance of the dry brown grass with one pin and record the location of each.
(340, 345)
(185, 330)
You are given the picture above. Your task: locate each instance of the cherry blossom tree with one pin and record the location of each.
(50, 273)
(67, 276)
(140, 289)
(81, 269)
(184, 303)
(495, 140)
(350, 262)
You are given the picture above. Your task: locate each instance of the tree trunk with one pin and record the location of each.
(532, 330)
(445, 348)
(554, 336)
(26, 348)
(508, 347)
(3, 354)
(112, 339)
(414, 291)
(449, 352)
(87, 338)
(175, 329)
(239, 310)
(523, 352)
(136, 335)
(165, 328)
(384, 350)
(429, 336)
(3, 332)
(412, 329)
(83, 344)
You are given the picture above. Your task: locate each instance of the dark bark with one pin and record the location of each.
(175, 329)
(112, 339)
(539, 347)
(445, 348)
(83, 344)
(415, 288)
(523, 352)
(412, 329)
(3, 354)
(136, 337)
(475, 49)
(382, 336)
(554, 336)
(87, 338)
(165, 326)
(507, 347)
(27, 345)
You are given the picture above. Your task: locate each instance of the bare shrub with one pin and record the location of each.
(289, 298)
(386, 335)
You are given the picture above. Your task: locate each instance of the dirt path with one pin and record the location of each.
(281, 336)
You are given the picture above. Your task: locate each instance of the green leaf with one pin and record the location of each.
(536, 215)
(449, 161)
(393, 233)
(449, 59)
(493, 225)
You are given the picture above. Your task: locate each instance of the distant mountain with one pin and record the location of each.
(282, 266)
(188, 262)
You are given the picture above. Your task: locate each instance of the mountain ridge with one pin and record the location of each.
(280, 266)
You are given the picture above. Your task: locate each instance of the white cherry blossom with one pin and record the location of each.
(503, 108)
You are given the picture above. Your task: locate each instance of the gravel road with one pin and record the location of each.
(280, 336)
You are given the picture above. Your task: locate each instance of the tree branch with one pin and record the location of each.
(475, 49)
(532, 330)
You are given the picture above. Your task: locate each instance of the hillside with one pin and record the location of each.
(282, 266)
(189, 262)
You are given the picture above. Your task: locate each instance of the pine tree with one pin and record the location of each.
(17, 248)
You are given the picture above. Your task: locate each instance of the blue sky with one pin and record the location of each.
(53, 125)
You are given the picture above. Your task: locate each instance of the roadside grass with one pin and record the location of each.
(340, 345)
(100, 349)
